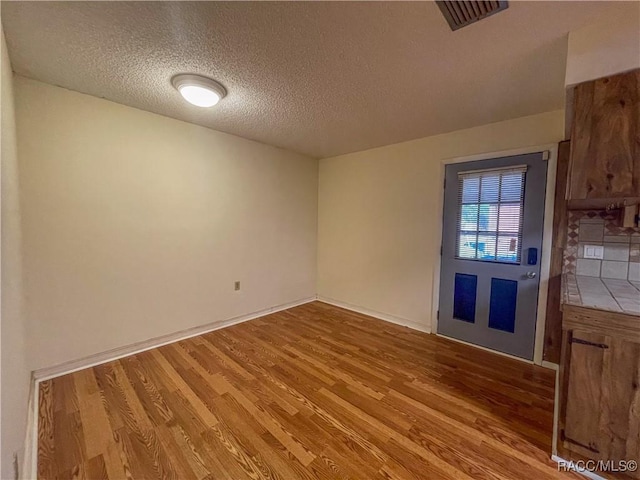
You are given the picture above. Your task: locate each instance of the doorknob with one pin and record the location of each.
(531, 274)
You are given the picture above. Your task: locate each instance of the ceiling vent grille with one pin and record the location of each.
(462, 13)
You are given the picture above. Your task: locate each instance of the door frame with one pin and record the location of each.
(545, 260)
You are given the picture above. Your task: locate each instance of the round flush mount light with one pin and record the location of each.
(197, 90)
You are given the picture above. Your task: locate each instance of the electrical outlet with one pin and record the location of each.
(594, 251)
(236, 286)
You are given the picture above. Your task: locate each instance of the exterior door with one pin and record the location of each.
(491, 250)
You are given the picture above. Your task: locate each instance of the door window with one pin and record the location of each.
(490, 206)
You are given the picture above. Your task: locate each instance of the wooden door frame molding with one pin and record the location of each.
(547, 236)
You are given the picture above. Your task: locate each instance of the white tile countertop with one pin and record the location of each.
(601, 293)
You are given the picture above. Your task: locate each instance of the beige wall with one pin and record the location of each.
(136, 225)
(610, 45)
(14, 374)
(379, 215)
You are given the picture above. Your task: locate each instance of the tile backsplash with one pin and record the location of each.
(621, 259)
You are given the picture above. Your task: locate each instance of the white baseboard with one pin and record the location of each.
(120, 352)
(29, 467)
(375, 314)
(581, 471)
(30, 461)
(550, 365)
(556, 413)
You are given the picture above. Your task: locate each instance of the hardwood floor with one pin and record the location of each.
(314, 392)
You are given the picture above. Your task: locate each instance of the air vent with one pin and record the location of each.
(462, 13)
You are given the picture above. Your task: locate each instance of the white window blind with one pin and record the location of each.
(490, 214)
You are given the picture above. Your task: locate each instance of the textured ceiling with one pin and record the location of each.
(321, 78)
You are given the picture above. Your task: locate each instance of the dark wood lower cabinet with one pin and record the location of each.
(600, 395)
(584, 391)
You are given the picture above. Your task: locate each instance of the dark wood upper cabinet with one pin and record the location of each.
(605, 141)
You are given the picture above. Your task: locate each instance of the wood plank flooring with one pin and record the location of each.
(314, 392)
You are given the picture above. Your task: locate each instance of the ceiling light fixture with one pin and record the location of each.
(197, 90)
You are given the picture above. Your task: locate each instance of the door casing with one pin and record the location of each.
(545, 260)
